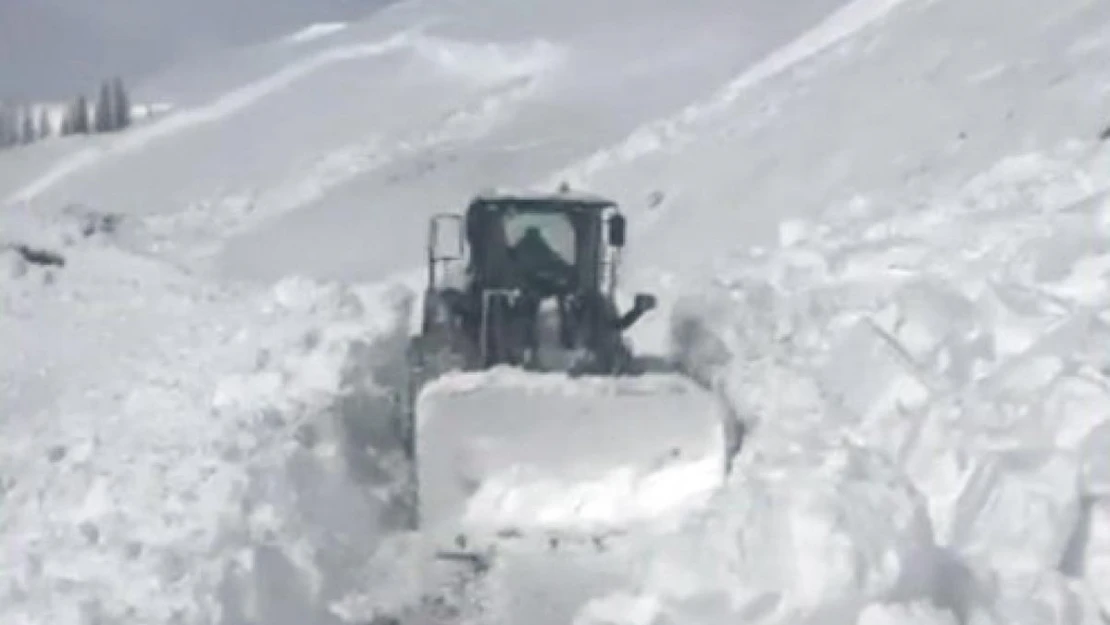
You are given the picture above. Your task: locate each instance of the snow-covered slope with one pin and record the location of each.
(372, 127)
(55, 48)
(928, 396)
(168, 447)
(918, 357)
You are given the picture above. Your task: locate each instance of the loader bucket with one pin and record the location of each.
(506, 452)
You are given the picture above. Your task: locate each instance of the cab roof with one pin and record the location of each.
(507, 196)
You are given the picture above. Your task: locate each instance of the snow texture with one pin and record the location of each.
(194, 454)
(958, 345)
(509, 451)
(316, 31)
(878, 231)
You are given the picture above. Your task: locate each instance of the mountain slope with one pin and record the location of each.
(525, 93)
(55, 49)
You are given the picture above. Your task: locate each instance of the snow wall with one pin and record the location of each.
(235, 462)
(927, 396)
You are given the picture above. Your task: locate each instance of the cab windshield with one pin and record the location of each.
(555, 230)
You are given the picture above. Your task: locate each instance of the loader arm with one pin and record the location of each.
(642, 305)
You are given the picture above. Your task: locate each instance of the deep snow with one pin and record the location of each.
(880, 236)
(182, 431)
(926, 391)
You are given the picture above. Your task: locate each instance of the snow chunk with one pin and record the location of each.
(621, 609)
(926, 315)
(795, 231)
(807, 530)
(1096, 554)
(12, 265)
(1042, 598)
(917, 613)
(1079, 405)
(871, 375)
(1041, 488)
(1096, 462)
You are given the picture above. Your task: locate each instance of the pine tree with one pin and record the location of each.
(45, 127)
(5, 126)
(27, 128)
(121, 104)
(81, 116)
(67, 122)
(7, 137)
(102, 120)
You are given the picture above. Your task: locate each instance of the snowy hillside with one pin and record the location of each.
(278, 162)
(53, 48)
(877, 229)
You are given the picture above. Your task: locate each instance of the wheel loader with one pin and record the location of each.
(532, 427)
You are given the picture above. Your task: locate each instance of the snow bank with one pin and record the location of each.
(327, 477)
(953, 360)
(226, 457)
(1032, 598)
(508, 451)
(808, 532)
(1096, 556)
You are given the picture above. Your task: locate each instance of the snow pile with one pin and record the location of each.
(506, 450)
(319, 417)
(618, 498)
(191, 454)
(948, 363)
(808, 531)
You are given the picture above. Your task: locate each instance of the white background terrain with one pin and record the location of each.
(878, 229)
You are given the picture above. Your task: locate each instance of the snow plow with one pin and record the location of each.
(532, 425)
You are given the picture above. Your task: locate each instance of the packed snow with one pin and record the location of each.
(495, 429)
(878, 233)
(185, 435)
(949, 354)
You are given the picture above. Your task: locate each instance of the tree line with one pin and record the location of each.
(110, 112)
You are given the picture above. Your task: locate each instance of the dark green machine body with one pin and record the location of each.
(509, 254)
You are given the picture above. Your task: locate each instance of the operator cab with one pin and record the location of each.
(548, 245)
(527, 271)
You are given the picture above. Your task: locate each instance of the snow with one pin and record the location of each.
(525, 93)
(316, 31)
(878, 234)
(669, 133)
(517, 498)
(1096, 556)
(507, 451)
(916, 358)
(804, 532)
(210, 436)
